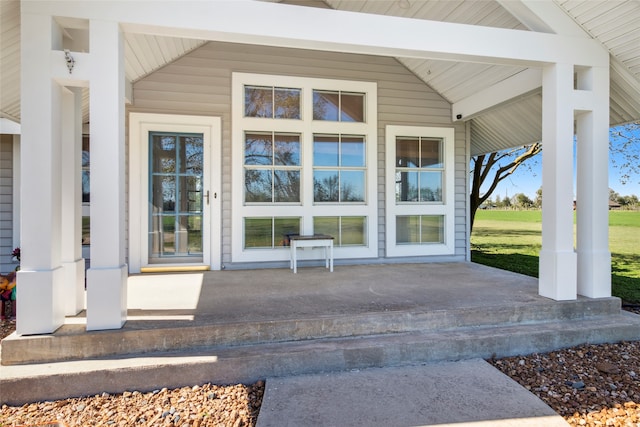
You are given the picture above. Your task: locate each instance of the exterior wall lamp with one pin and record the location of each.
(69, 59)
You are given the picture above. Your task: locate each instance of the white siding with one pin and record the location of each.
(6, 203)
(200, 83)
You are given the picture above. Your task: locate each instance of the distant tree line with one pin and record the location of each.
(522, 201)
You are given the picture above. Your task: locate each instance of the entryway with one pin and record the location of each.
(174, 193)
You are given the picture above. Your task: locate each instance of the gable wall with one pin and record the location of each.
(200, 84)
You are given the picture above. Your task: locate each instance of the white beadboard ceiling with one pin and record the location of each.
(614, 23)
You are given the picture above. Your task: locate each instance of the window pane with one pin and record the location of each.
(191, 150)
(407, 152)
(352, 186)
(193, 200)
(163, 197)
(164, 154)
(257, 186)
(352, 151)
(258, 149)
(326, 225)
(284, 228)
(325, 186)
(257, 233)
(325, 150)
(287, 103)
(258, 101)
(406, 186)
(352, 107)
(286, 186)
(432, 229)
(189, 236)
(325, 105)
(407, 229)
(353, 231)
(431, 153)
(430, 186)
(287, 149)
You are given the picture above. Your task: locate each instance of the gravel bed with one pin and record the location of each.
(589, 385)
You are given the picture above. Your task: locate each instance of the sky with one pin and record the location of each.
(528, 180)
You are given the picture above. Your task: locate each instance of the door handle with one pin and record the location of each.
(207, 196)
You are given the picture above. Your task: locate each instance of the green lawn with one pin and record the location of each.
(511, 240)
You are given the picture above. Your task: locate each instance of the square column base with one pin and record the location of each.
(558, 278)
(40, 301)
(74, 286)
(594, 274)
(106, 298)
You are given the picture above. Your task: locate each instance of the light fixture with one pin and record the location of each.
(70, 61)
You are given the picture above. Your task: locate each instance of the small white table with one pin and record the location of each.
(312, 241)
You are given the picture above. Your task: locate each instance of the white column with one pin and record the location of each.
(594, 258)
(40, 297)
(107, 277)
(71, 238)
(557, 279)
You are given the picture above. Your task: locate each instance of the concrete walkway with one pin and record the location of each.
(466, 393)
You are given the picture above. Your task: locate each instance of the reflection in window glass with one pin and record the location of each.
(269, 233)
(419, 229)
(339, 168)
(272, 168)
(347, 230)
(338, 106)
(86, 166)
(419, 169)
(272, 102)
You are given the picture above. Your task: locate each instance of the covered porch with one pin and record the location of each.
(238, 326)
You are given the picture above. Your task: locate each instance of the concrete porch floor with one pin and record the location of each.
(244, 325)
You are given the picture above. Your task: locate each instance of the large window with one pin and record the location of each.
(420, 191)
(304, 153)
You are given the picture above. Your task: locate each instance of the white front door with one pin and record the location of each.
(174, 192)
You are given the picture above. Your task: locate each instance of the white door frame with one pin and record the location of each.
(140, 125)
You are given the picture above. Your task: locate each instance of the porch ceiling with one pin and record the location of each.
(613, 23)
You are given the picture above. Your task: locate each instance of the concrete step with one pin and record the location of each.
(72, 342)
(248, 363)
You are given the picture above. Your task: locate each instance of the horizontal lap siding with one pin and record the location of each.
(6, 203)
(200, 84)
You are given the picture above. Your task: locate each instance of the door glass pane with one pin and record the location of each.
(175, 195)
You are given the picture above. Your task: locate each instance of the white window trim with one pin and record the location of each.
(140, 124)
(446, 208)
(306, 210)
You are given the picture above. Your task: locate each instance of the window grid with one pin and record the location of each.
(340, 191)
(422, 174)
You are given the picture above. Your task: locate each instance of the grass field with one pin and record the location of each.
(511, 240)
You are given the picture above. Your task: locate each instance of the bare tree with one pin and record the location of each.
(493, 168)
